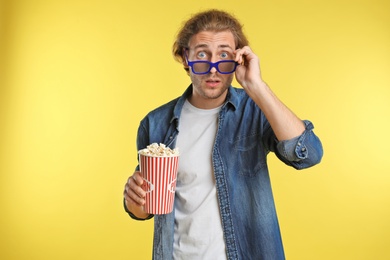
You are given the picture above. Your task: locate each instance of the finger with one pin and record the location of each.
(138, 178)
(133, 189)
(135, 184)
(134, 194)
(238, 56)
(244, 54)
(134, 200)
(241, 52)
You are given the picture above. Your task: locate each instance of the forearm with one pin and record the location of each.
(285, 124)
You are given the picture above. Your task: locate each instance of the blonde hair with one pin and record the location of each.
(211, 20)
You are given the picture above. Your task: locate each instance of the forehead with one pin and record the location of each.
(212, 40)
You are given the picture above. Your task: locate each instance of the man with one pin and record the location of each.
(224, 208)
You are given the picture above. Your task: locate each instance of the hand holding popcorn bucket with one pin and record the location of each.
(158, 167)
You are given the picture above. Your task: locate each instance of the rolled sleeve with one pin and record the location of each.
(302, 151)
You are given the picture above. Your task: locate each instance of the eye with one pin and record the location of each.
(224, 55)
(201, 55)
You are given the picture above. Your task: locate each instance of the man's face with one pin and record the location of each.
(209, 90)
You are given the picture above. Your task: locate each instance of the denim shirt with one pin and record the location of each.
(244, 138)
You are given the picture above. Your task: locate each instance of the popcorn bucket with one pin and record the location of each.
(159, 174)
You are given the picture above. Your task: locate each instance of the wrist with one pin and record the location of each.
(136, 212)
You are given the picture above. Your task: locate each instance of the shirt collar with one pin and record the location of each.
(232, 100)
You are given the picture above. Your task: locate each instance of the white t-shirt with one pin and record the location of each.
(198, 226)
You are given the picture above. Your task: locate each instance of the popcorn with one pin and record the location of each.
(159, 150)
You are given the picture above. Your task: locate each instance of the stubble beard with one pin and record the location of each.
(208, 93)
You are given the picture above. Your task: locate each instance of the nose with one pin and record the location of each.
(213, 60)
(213, 69)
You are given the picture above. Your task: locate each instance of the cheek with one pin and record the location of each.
(195, 78)
(228, 78)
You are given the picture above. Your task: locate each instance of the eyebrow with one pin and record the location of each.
(204, 45)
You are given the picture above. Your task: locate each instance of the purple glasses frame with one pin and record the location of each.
(211, 65)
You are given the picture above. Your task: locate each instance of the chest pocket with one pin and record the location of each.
(250, 155)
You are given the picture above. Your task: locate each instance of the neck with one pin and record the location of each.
(207, 103)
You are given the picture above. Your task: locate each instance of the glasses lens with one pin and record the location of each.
(227, 67)
(200, 67)
(203, 67)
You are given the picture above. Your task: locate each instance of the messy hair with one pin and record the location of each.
(211, 20)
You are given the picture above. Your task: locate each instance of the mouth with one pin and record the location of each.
(212, 82)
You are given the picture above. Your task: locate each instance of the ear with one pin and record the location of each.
(184, 56)
(184, 61)
(186, 67)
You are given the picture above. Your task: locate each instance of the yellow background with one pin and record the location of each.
(77, 76)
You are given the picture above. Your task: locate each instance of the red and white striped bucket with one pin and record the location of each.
(159, 174)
